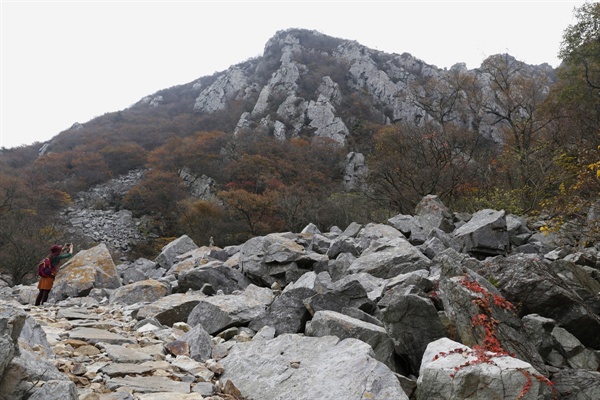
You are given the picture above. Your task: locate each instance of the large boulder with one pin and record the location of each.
(30, 376)
(450, 370)
(480, 314)
(538, 289)
(431, 213)
(309, 368)
(33, 337)
(25, 374)
(412, 322)
(287, 313)
(372, 232)
(86, 270)
(557, 346)
(484, 234)
(577, 385)
(339, 296)
(171, 309)
(146, 291)
(12, 321)
(410, 228)
(331, 323)
(388, 259)
(177, 247)
(217, 313)
(214, 273)
(274, 258)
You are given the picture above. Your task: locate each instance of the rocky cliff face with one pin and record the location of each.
(435, 305)
(304, 81)
(321, 88)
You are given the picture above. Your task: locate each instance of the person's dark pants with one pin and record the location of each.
(42, 297)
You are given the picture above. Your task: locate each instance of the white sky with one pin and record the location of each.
(70, 61)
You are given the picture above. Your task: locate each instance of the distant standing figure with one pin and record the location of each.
(57, 253)
(211, 242)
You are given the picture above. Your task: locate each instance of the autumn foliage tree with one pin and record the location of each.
(515, 107)
(574, 207)
(203, 219)
(157, 195)
(410, 161)
(124, 157)
(28, 225)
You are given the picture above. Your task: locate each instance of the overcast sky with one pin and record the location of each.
(70, 61)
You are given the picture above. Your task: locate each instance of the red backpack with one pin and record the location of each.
(44, 268)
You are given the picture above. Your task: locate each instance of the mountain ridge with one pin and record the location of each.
(286, 93)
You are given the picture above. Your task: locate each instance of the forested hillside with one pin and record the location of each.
(283, 138)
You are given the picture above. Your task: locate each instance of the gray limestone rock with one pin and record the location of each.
(484, 234)
(279, 369)
(54, 390)
(432, 213)
(146, 291)
(411, 321)
(273, 258)
(373, 286)
(94, 335)
(287, 313)
(410, 227)
(217, 313)
(171, 309)
(127, 368)
(228, 86)
(346, 294)
(121, 354)
(449, 371)
(12, 321)
(537, 287)
(539, 330)
(199, 343)
(577, 384)
(28, 373)
(356, 171)
(460, 293)
(86, 270)
(331, 323)
(149, 384)
(215, 273)
(32, 336)
(343, 245)
(396, 257)
(179, 246)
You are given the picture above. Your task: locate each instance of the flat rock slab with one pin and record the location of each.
(69, 313)
(122, 369)
(86, 323)
(121, 354)
(93, 335)
(149, 384)
(170, 396)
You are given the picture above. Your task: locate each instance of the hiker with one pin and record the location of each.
(57, 253)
